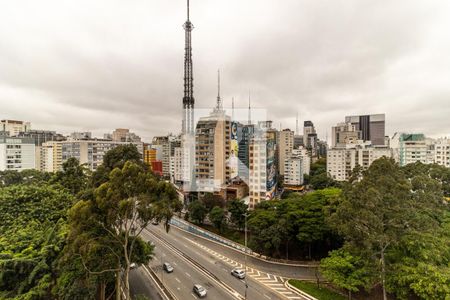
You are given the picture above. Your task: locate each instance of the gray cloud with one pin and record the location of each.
(98, 65)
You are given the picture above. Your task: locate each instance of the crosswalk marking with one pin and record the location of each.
(275, 283)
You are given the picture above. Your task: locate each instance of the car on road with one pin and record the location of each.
(167, 267)
(199, 290)
(133, 265)
(155, 222)
(238, 273)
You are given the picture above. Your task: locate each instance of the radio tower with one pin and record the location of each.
(188, 99)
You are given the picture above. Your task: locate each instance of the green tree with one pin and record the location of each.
(32, 237)
(116, 158)
(210, 201)
(237, 209)
(379, 209)
(346, 271)
(113, 221)
(217, 217)
(73, 176)
(197, 211)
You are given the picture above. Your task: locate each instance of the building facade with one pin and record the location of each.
(17, 154)
(89, 152)
(372, 127)
(285, 143)
(14, 127)
(344, 133)
(212, 151)
(442, 152)
(409, 148)
(262, 165)
(342, 160)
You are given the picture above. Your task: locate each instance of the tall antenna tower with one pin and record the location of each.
(296, 125)
(219, 100)
(249, 110)
(188, 98)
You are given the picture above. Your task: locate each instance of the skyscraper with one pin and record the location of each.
(188, 98)
(372, 127)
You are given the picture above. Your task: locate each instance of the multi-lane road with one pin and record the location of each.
(196, 260)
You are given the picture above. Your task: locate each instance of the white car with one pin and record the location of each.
(238, 273)
(199, 290)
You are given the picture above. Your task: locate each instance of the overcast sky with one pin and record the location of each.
(102, 64)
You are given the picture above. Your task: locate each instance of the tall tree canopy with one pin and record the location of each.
(382, 209)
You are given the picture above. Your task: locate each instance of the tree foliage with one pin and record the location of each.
(33, 235)
(197, 211)
(217, 217)
(298, 220)
(390, 216)
(237, 209)
(346, 271)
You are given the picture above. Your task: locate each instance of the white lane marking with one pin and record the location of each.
(189, 275)
(195, 297)
(267, 297)
(225, 269)
(178, 280)
(175, 264)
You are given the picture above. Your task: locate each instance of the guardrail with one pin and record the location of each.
(208, 234)
(165, 292)
(196, 230)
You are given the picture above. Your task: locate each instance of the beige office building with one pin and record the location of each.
(14, 127)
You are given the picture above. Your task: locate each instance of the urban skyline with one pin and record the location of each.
(130, 70)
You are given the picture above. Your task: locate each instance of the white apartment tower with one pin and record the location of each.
(285, 145)
(17, 153)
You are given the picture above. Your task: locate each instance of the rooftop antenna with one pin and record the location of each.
(249, 110)
(219, 101)
(232, 109)
(296, 125)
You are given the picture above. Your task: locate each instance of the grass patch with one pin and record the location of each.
(322, 293)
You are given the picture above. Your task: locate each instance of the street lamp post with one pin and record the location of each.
(245, 255)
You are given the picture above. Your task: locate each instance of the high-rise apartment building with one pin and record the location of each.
(410, 148)
(262, 171)
(14, 127)
(296, 166)
(285, 144)
(342, 160)
(247, 134)
(165, 146)
(50, 156)
(212, 151)
(16, 153)
(372, 127)
(442, 152)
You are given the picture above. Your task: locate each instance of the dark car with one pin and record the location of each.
(167, 267)
(199, 290)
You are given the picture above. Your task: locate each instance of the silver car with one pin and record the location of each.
(238, 273)
(199, 290)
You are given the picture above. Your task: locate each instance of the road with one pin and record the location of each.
(181, 281)
(141, 284)
(265, 280)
